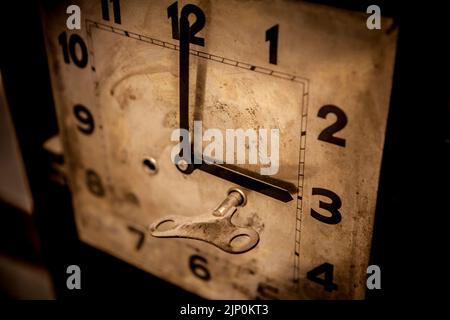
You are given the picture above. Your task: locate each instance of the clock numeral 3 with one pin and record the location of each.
(116, 10)
(332, 207)
(327, 134)
(197, 264)
(70, 52)
(327, 281)
(197, 26)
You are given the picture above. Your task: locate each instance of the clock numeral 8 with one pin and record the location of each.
(94, 183)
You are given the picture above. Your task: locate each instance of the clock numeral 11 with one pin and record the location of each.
(116, 10)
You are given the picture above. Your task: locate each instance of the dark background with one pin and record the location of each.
(414, 178)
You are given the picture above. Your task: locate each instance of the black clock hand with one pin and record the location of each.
(275, 188)
(184, 74)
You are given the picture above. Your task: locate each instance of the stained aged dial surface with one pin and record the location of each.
(325, 87)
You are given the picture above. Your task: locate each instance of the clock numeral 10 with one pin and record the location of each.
(116, 10)
(69, 49)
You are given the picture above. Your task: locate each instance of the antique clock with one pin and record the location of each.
(292, 224)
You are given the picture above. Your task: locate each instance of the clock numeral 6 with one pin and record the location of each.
(94, 183)
(69, 49)
(266, 292)
(197, 26)
(327, 134)
(327, 281)
(197, 264)
(332, 207)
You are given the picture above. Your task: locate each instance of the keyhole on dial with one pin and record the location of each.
(150, 165)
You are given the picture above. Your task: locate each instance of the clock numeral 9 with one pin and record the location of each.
(94, 183)
(197, 264)
(327, 281)
(332, 207)
(327, 134)
(116, 10)
(70, 52)
(197, 26)
(85, 118)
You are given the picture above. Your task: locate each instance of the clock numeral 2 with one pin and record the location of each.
(332, 207)
(198, 264)
(272, 37)
(116, 10)
(327, 134)
(327, 281)
(70, 52)
(197, 26)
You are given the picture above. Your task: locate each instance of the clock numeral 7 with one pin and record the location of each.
(197, 26)
(141, 237)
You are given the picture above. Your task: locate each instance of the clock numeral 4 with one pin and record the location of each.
(327, 281)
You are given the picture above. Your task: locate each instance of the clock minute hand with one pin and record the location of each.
(184, 74)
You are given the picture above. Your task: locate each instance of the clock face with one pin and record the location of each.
(292, 96)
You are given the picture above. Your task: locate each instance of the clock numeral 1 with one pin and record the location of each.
(197, 26)
(332, 207)
(327, 281)
(70, 52)
(197, 264)
(327, 134)
(272, 37)
(116, 10)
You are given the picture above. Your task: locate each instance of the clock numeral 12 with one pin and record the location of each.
(197, 26)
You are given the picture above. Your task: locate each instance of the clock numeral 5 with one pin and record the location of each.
(69, 49)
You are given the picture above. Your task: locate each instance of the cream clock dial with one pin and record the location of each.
(137, 71)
